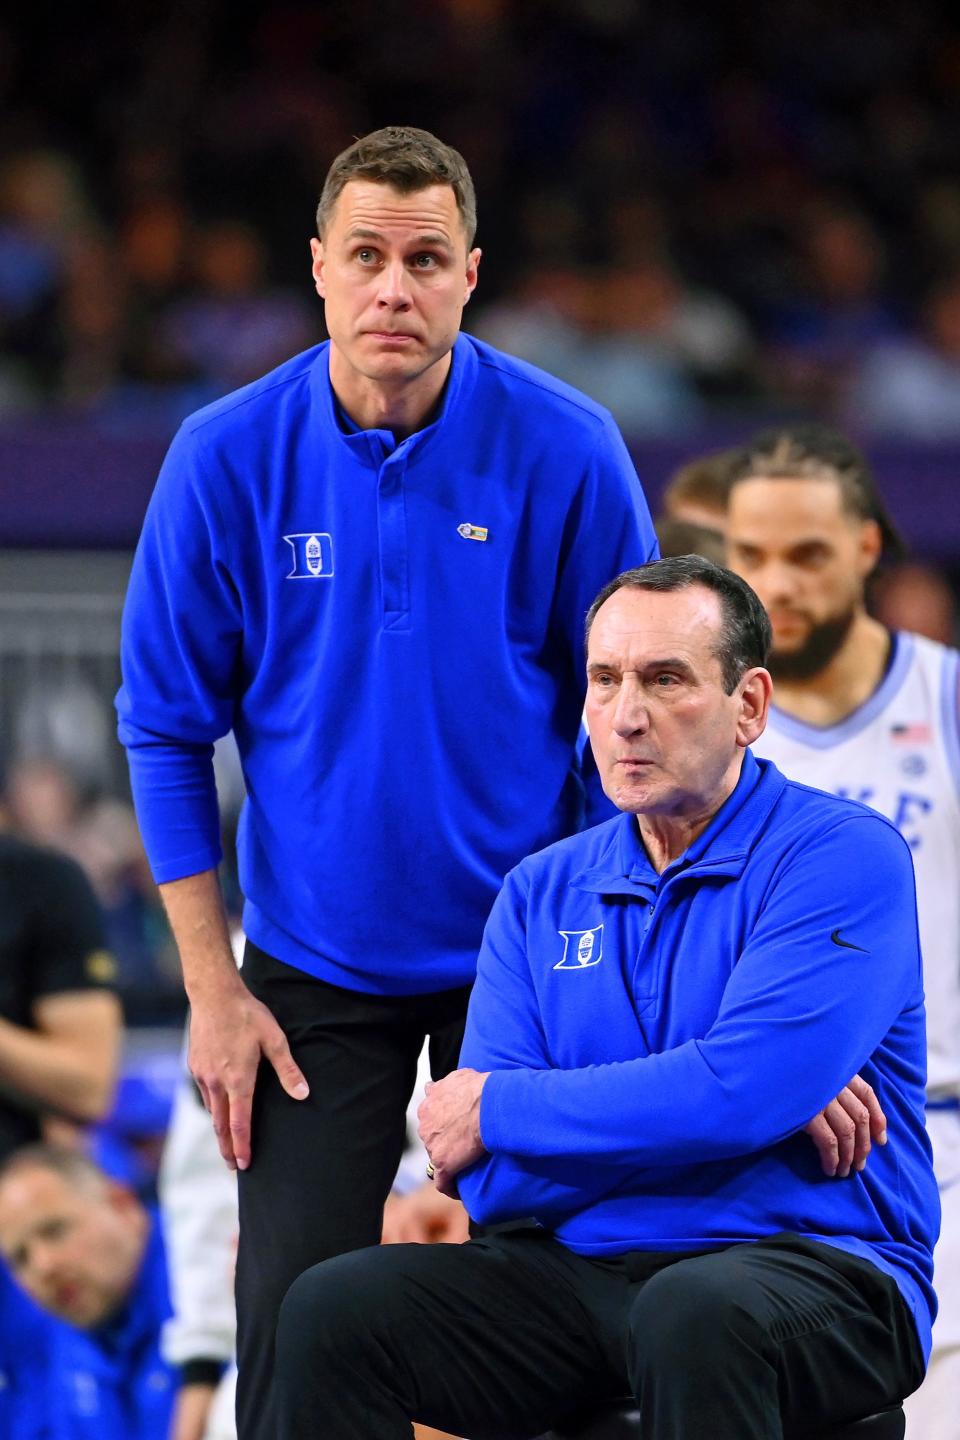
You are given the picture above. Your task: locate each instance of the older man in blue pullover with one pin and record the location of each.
(661, 1004)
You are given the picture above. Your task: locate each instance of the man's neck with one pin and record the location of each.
(401, 407)
(666, 837)
(844, 684)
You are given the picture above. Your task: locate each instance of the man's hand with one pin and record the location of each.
(424, 1217)
(227, 1038)
(450, 1126)
(843, 1133)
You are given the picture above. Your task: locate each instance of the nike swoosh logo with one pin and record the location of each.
(835, 937)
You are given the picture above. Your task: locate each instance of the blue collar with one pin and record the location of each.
(373, 447)
(722, 849)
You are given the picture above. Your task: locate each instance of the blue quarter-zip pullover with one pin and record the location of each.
(394, 633)
(657, 1042)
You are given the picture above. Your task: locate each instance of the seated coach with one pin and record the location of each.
(662, 1003)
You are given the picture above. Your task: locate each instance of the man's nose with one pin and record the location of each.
(394, 290)
(632, 714)
(774, 582)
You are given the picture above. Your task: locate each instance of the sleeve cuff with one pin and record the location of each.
(202, 1372)
(494, 1109)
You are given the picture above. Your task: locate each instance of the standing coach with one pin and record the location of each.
(372, 565)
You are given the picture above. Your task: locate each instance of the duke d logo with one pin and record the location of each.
(312, 555)
(581, 949)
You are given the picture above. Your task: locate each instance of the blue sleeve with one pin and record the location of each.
(504, 1033)
(180, 649)
(799, 1015)
(608, 530)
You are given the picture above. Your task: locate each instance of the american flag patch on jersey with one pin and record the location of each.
(910, 734)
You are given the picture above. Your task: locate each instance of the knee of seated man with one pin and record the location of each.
(335, 1305)
(330, 1302)
(690, 1307)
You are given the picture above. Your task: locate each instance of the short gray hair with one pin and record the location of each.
(745, 634)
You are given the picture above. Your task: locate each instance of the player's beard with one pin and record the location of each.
(821, 645)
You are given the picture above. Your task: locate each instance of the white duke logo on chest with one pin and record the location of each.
(585, 950)
(312, 555)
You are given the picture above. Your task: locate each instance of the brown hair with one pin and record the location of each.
(704, 481)
(409, 160)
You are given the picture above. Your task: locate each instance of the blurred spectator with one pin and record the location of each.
(838, 311)
(912, 388)
(693, 517)
(916, 597)
(235, 326)
(90, 1254)
(45, 218)
(682, 537)
(24, 1340)
(615, 334)
(799, 176)
(697, 493)
(59, 1017)
(46, 806)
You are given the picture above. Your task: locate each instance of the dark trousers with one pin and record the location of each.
(505, 1335)
(322, 1167)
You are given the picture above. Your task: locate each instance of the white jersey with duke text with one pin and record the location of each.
(900, 753)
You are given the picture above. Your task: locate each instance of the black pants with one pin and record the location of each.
(322, 1167)
(505, 1335)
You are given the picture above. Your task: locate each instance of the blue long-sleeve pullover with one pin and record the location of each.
(394, 633)
(657, 1042)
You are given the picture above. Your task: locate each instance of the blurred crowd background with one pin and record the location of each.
(707, 218)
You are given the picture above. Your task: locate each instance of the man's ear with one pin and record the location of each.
(316, 269)
(871, 547)
(756, 688)
(473, 265)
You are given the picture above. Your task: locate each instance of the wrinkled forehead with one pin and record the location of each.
(636, 628)
(376, 205)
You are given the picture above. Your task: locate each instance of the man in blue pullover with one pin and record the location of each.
(661, 1003)
(372, 565)
(91, 1256)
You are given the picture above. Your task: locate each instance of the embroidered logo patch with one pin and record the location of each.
(312, 555)
(472, 532)
(581, 949)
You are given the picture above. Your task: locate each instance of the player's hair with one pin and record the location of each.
(816, 452)
(745, 633)
(705, 481)
(73, 1166)
(409, 160)
(685, 537)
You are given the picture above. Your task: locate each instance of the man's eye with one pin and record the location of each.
(425, 261)
(366, 256)
(664, 681)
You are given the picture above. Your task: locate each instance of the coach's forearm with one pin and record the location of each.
(198, 919)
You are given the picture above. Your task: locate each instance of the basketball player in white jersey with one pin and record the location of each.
(871, 714)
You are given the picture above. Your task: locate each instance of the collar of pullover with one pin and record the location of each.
(722, 848)
(372, 447)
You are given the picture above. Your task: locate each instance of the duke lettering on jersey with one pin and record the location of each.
(900, 754)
